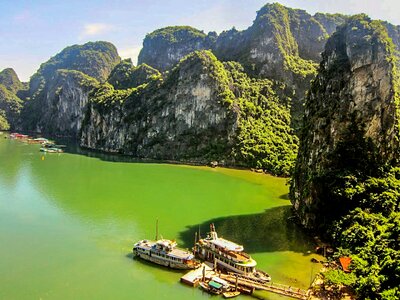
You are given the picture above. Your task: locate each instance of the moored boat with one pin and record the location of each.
(228, 256)
(212, 287)
(231, 294)
(166, 253)
(51, 150)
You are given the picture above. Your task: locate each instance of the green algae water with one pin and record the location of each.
(68, 223)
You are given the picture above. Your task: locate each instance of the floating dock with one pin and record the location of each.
(245, 284)
(193, 277)
(276, 288)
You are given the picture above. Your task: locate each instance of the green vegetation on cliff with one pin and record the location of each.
(165, 47)
(265, 139)
(347, 177)
(125, 75)
(370, 234)
(4, 125)
(175, 34)
(254, 129)
(95, 59)
(279, 20)
(10, 107)
(10, 80)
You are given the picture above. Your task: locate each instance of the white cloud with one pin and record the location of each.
(95, 29)
(130, 52)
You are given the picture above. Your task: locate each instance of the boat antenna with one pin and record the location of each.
(199, 233)
(212, 227)
(156, 229)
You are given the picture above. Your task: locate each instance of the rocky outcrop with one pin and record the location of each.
(183, 117)
(11, 89)
(202, 110)
(351, 122)
(58, 91)
(96, 59)
(125, 75)
(283, 44)
(9, 79)
(165, 47)
(61, 105)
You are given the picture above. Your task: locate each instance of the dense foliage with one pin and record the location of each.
(175, 34)
(352, 185)
(125, 75)
(95, 59)
(265, 139)
(370, 234)
(4, 125)
(10, 106)
(10, 80)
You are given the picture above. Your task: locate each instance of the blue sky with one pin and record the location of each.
(31, 31)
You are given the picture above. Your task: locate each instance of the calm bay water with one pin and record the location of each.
(68, 223)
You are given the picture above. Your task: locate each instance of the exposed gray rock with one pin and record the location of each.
(181, 118)
(351, 122)
(165, 47)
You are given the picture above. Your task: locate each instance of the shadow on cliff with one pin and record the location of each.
(270, 231)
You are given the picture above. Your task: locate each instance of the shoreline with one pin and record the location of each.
(130, 158)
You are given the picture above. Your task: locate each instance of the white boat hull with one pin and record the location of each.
(163, 262)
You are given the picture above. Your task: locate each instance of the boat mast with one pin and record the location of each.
(213, 233)
(156, 229)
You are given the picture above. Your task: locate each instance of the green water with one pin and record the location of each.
(68, 222)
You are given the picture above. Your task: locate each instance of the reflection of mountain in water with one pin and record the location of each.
(10, 159)
(265, 232)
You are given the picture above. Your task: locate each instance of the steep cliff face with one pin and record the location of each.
(165, 47)
(183, 117)
(59, 90)
(62, 104)
(351, 122)
(11, 89)
(202, 110)
(283, 44)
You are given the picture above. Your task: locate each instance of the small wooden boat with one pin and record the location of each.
(212, 287)
(231, 294)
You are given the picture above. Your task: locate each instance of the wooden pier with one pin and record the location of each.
(276, 288)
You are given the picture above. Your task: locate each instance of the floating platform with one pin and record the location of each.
(276, 288)
(194, 277)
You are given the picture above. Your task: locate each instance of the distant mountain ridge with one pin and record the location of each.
(275, 60)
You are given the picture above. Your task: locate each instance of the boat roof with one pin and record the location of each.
(180, 253)
(166, 243)
(219, 280)
(175, 252)
(223, 243)
(248, 263)
(215, 285)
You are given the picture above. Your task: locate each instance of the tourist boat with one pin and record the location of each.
(166, 253)
(228, 257)
(51, 150)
